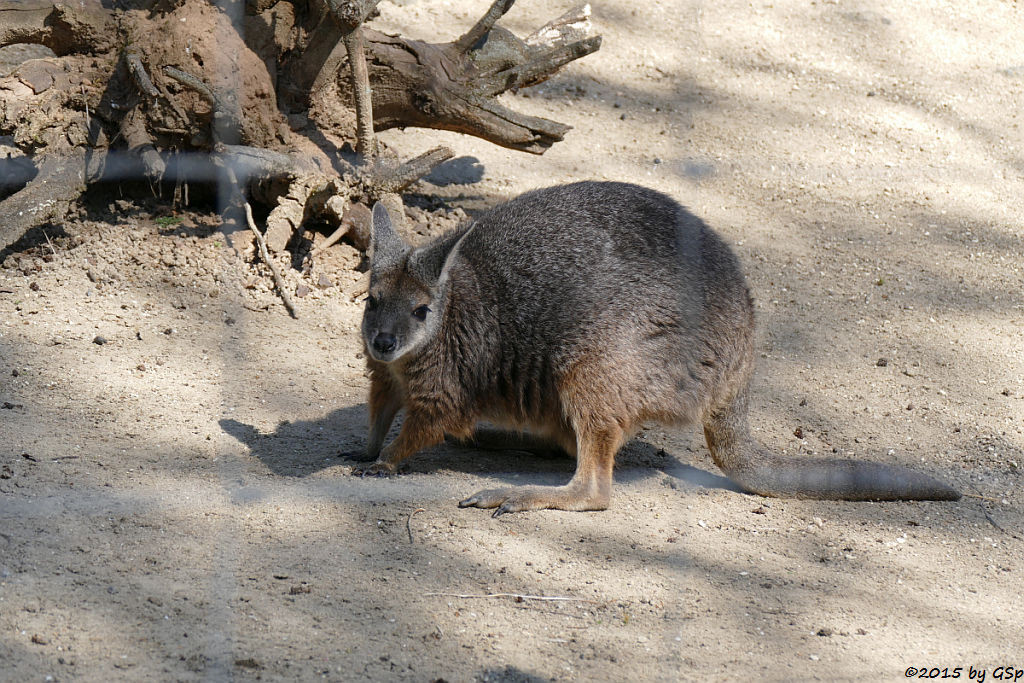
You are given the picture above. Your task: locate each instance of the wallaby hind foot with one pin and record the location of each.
(522, 498)
(589, 489)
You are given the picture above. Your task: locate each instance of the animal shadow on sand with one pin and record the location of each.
(304, 447)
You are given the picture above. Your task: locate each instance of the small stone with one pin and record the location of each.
(99, 340)
(882, 362)
(34, 286)
(40, 640)
(301, 291)
(141, 367)
(323, 282)
(798, 432)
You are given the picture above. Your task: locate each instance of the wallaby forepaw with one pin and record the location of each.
(376, 469)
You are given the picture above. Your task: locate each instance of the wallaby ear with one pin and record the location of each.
(388, 246)
(433, 263)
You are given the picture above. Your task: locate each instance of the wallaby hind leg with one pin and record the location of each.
(589, 489)
(759, 471)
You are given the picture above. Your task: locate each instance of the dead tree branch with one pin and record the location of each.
(382, 180)
(349, 14)
(449, 86)
(571, 27)
(366, 141)
(278, 280)
(472, 38)
(537, 69)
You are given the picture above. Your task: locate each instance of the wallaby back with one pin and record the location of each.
(578, 313)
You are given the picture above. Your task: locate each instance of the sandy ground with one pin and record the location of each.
(173, 505)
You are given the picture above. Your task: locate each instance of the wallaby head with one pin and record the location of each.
(407, 292)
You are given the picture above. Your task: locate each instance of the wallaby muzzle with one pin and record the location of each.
(385, 343)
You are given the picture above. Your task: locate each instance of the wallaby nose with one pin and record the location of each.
(384, 342)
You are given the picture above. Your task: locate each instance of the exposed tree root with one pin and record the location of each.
(306, 197)
(46, 198)
(64, 28)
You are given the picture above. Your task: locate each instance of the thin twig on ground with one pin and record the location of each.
(985, 512)
(517, 596)
(976, 497)
(278, 280)
(408, 522)
(557, 614)
(49, 243)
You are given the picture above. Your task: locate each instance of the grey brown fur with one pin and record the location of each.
(578, 313)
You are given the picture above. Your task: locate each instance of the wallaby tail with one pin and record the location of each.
(757, 470)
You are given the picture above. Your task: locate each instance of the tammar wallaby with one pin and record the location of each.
(576, 314)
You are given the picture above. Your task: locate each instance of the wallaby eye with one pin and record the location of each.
(371, 303)
(420, 312)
